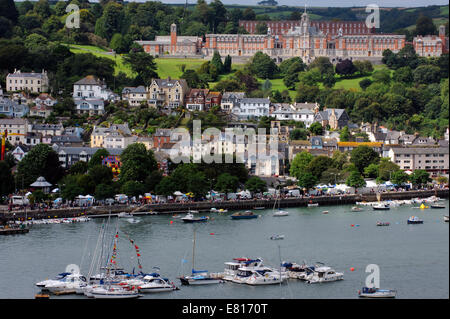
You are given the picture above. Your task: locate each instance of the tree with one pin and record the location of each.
(143, 64)
(307, 180)
(227, 183)
(261, 28)
(331, 176)
(8, 10)
(339, 159)
(403, 75)
(323, 64)
(371, 171)
(263, 66)
(316, 128)
(425, 26)
(137, 163)
(80, 167)
(101, 174)
(256, 185)
(167, 186)
(132, 188)
(345, 67)
(355, 180)
(420, 177)
(42, 8)
(300, 163)
(7, 184)
(365, 83)
(70, 188)
(103, 191)
(362, 156)
(427, 74)
(41, 160)
(217, 62)
(363, 67)
(98, 157)
(382, 76)
(318, 165)
(386, 168)
(298, 134)
(399, 178)
(345, 136)
(227, 64)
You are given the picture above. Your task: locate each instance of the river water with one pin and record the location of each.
(413, 259)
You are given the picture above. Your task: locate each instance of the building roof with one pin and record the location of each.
(255, 100)
(89, 80)
(15, 121)
(170, 82)
(20, 74)
(420, 150)
(130, 89)
(356, 144)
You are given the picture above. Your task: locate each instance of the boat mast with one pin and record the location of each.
(193, 252)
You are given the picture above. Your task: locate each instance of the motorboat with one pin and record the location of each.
(446, 219)
(41, 284)
(153, 284)
(244, 215)
(200, 277)
(259, 208)
(176, 216)
(414, 220)
(124, 215)
(113, 292)
(356, 209)
(255, 277)
(313, 204)
(231, 268)
(381, 207)
(383, 224)
(296, 271)
(324, 274)
(189, 218)
(325, 212)
(280, 213)
(220, 210)
(376, 293)
(276, 237)
(437, 206)
(69, 284)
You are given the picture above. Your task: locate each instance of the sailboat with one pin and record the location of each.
(280, 212)
(198, 277)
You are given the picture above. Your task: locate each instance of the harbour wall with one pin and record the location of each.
(172, 208)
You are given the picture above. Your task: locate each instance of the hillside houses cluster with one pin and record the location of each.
(91, 94)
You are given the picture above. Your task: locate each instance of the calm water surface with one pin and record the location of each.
(414, 259)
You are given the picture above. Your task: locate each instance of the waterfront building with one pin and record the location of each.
(27, 81)
(432, 159)
(70, 155)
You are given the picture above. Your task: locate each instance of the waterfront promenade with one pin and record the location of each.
(205, 206)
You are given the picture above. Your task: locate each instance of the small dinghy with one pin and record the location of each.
(356, 209)
(245, 215)
(376, 293)
(382, 224)
(280, 213)
(276, 237)
(381, 207)
(414, 220)
(313, 204)
(446, 219)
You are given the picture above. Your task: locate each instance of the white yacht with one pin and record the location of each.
(376, 293)
(113, 292)
(41, 284)
(156, 284)
(296, 271)
(254, 277)
(280, 213)
(70, 283)
(232, 267)
(324, 274)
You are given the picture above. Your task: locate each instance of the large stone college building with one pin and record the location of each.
(306, 39)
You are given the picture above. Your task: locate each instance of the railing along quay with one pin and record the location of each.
(166, 208)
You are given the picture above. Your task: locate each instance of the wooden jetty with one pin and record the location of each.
(13, 230)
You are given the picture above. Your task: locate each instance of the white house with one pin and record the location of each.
(88, 92)
(252, 108)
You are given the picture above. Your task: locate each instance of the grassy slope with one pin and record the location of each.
(172, 67)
